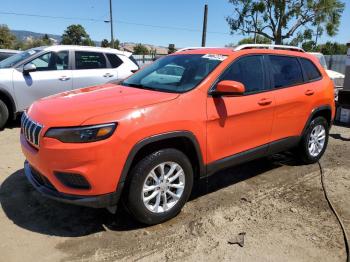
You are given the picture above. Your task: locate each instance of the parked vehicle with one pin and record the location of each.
(45, 71)
(147, 142)
(6, 53)
(338, 78)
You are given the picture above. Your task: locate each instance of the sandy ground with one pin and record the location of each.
(278, 204)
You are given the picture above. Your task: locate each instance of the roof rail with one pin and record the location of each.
(266, 46)
(194, 48)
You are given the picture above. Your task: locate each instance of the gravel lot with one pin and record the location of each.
(279, 205)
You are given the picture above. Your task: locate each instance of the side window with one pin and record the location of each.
(310, 69)
(52, 61)
(90, 60)
(286, 71)
(114, 60)
(249, 71)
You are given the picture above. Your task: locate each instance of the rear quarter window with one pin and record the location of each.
(311, 71)
(286, 71)
(114, 60)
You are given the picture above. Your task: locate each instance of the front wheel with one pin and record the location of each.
(160, 185)
(4, 114)
(314, 142)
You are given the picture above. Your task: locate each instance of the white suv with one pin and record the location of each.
(44, 71)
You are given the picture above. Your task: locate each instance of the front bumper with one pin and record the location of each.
(100, 201)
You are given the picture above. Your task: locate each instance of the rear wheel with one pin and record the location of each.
(4, 114)
(314, 142)
(160, 185)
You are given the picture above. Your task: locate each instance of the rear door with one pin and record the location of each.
(293, 96)
(92, 68)
(238, 124)
(53, 75)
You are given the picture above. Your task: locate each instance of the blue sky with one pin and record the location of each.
(130, 14)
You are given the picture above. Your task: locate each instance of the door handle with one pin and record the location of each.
(265, 101)
(107, 75)
(309, 92)
(64, 78)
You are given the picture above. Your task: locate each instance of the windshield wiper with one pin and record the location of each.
(148, 87)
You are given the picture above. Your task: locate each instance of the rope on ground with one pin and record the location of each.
(346, 238)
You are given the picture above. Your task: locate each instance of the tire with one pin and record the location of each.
(4, 114)
(142, 175)
(305, 150)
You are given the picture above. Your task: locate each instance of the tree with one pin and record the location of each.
(7, 39)
(279, 20)
(171, 49)
(76, 35)
(251, 40)
(140, 49)
(46, 40)
(330, 48)
(106, 43)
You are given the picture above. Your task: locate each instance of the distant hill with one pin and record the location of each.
(22, 35)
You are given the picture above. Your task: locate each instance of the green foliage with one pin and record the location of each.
(7, 39)
(259, 40)
(106, 43)
(171, 49)
(330, 48)
(280, 20)
(76, 35)
(33, 42)
(140, 49)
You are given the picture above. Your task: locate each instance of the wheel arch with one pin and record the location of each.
(6, 97)
(184, 141)
(324, 111)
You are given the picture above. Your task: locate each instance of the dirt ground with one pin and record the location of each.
(277, 203)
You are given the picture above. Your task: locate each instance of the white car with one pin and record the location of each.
(44, 71)
(6, 53)
(337, 77)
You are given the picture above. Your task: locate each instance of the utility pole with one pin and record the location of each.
(111, 21)
(205, 21)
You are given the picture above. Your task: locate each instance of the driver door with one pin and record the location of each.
(242, 123)
(53, 75)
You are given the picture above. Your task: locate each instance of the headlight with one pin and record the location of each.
(83, 134)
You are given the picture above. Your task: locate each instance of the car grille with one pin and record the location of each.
(31, 130)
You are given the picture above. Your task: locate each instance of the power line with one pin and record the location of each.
(117, 21)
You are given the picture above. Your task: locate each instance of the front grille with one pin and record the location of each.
(31, 130)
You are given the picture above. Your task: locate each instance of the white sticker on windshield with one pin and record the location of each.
(31, 52)
(215, 57)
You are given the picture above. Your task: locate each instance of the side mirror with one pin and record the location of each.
(29, 68)
(229, 88)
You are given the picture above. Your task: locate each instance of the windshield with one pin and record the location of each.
(322, 60)
(175, 73)
(12, 60)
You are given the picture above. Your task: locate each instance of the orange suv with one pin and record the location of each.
(184, 117)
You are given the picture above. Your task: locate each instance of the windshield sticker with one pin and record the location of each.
(215, 57)
(31, 52)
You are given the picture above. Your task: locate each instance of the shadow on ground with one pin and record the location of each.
(28, 209)
(339, 137)
(13, 123)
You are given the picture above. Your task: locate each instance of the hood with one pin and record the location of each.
(74, 107)
(333, 74)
